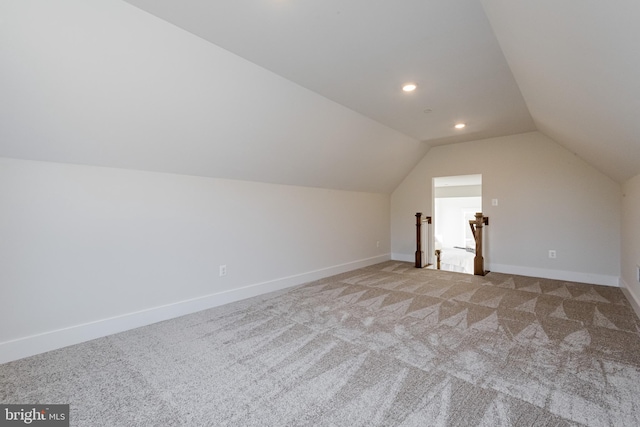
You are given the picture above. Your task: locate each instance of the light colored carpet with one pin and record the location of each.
(387, 345)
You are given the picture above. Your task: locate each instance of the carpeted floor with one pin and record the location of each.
(387, 345)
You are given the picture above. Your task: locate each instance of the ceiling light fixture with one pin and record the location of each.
(409, 87)
(460, 126)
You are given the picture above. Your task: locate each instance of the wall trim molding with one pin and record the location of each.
(571, 276)
(631, 296)
(52, 340)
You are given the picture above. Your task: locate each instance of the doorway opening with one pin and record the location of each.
(456, 199)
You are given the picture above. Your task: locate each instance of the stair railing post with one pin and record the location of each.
(419, 253)
(476, 228)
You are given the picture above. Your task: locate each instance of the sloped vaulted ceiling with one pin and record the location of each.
(105, 83)
(308, 92)
(359, 53)
(577, 63)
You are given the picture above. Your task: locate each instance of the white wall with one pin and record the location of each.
(631, 237)
(548, 198)
(87, 251)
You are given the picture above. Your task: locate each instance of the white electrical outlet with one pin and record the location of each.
(377, 243)
(494, 202)
(552, 253)
(223, 270)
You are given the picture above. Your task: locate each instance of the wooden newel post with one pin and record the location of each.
(419, 253)
(476, 229)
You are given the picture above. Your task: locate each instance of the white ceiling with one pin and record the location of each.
(577, 63)
(104, 83)
(308, 92)
(359, 53)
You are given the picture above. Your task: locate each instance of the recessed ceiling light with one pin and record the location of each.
(409, 87)
(460, 126)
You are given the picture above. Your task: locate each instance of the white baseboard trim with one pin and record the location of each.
(52, 340)
(631, 296)
(571, 276)
(403, 257)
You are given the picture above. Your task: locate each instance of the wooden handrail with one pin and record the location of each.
(476, 229)
(419, 252)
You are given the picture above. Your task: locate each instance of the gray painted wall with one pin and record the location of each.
(87, 251)
(548, 198)
(631, 236)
